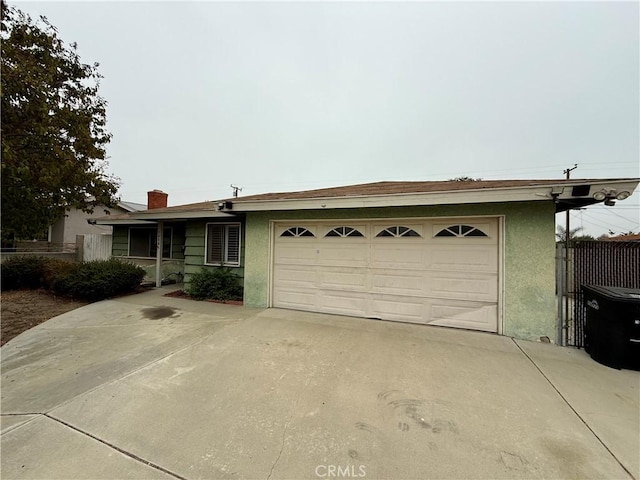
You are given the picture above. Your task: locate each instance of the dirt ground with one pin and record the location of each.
(24, 309)
(21, 310)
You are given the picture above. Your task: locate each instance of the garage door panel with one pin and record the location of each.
(291, 254)
(294, 276)
(463, 286)
(343, 303)
(471, 258)
(341, 278)
(398, 308)
(296, 299)
(343, 255)
(398, 283)
(472, 316)
(398, 255)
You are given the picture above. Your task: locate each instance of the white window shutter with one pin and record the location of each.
(233, 245)
(215, 244)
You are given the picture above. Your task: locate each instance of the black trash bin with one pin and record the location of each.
(612, 333)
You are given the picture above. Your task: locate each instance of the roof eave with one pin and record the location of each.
(150, 217)
(560, 193)
(129, 208)
(102, 221)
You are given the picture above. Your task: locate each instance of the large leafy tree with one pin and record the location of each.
(53, 128)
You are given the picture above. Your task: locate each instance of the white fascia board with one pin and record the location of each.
(123, 222)
(182, 215)
(152, 218)
(493, 195)
(628, 185)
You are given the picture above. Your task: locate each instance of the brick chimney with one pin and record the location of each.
(156, 199)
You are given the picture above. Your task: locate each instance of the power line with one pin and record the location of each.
(606, 212)
(614, 213)
(633, 222)
(598, 223)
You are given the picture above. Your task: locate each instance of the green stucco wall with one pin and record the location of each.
(529, 256)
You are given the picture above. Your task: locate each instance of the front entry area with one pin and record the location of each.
(438, 271)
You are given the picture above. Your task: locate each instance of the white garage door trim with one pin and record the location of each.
(493, 245)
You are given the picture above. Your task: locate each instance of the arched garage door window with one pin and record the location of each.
(461, 231)
(398, 231)
(297, 232)
(344, 232)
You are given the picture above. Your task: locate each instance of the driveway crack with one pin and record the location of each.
(122, 451)
(573, 410)
(133, 371)
(286, 425)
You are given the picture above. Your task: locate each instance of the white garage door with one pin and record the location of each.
(435, 271)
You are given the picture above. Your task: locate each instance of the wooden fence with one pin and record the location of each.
(94, 247)
(87, 248)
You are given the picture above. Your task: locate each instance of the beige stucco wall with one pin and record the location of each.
(529, 250)
(75, 223)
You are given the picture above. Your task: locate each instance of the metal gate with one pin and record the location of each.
(604, 263)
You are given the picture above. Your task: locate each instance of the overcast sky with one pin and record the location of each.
(298, 95)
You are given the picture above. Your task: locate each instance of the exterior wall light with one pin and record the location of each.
(610, 196)
(599, 196)
(623, 195)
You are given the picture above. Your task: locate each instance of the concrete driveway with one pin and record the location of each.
(154, 387)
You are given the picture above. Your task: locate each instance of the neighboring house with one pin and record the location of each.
(477, 255)
(75, 222)
(630, 237)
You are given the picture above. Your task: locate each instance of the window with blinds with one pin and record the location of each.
(223, 244)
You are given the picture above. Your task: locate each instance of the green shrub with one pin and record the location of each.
(22, 272)
(215, 284)
(100, 279)
(55, 270)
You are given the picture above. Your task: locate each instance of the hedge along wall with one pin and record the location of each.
(195, 239)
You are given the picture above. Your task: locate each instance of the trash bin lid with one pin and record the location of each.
(619, 294)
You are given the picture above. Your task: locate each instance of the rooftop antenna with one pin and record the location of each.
(235, 190)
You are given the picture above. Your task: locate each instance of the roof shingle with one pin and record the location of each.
(397, 188)
(362, 190)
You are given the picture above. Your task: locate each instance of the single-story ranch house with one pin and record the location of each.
(469, 254)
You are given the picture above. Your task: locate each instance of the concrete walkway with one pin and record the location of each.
(153, 387)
